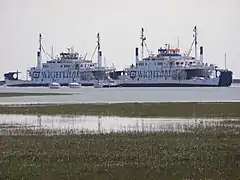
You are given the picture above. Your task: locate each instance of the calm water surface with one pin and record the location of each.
(115, 95)
(99, 124)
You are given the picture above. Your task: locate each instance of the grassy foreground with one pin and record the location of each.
(177, 109)
(204, 154)
(16, 94)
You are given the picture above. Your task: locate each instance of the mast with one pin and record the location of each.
(142, 42)
(40, 43)
(99, 51)
(39, 58)
(98, 42)
(195, 42)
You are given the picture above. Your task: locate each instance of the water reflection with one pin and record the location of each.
(10, 124)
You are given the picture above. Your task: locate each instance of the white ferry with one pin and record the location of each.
(69, 68)
(171, 68)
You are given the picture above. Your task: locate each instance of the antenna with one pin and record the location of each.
(105, 62)
(52, 52)
(225, 60)
(85, 56)
(178, 43)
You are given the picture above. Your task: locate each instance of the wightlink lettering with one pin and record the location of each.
(151, 74)
(62, 74)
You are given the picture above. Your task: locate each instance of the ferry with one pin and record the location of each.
(68, 68)
(171, 68)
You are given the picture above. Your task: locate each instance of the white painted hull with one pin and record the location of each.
(18, 82)
(25, 83)
(74, 85)
(163, 82)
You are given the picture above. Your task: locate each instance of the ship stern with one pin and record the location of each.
(225, 78)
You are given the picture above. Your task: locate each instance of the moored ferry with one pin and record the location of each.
(68, 68)
(171, 68)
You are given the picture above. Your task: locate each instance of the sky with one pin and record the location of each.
(66, 23)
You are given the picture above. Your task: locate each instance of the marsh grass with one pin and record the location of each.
(170, 109)
(231, 122)
(200, 153)
(16, 94)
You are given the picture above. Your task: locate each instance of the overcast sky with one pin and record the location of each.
(65, 23)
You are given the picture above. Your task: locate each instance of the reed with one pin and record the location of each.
(170, 109)
(16, 94)
(199, 154)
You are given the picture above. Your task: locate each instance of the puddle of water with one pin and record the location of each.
(15, 124)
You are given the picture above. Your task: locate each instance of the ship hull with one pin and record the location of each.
(224, 80)
(22, 83)
(125, 85)
(40, 85)
(166, 85)
(190, 83)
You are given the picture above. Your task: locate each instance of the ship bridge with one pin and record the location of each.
(69, 56)
(168, 52)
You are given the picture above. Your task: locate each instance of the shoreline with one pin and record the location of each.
(170, 109)
(22, 94)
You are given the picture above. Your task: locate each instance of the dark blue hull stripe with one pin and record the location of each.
(42, 85)
(132, 85)
(167, 85)
(65, 84)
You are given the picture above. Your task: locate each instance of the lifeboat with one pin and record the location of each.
(74, 85)
(98, 85)
(54, 85)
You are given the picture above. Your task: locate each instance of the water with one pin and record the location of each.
(117, 95)
(10, 124)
